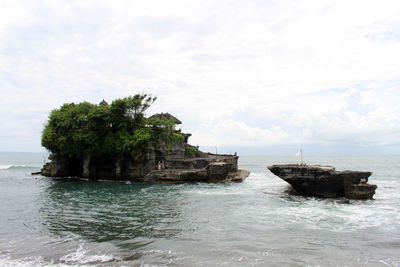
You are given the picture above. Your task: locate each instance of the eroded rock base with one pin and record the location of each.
(207, 168)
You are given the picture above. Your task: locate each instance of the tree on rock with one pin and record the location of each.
(81, 131)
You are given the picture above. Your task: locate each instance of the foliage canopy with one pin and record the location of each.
(118, 129)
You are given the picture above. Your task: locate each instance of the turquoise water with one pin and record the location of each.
(259, 222)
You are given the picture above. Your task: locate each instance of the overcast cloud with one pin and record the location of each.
(253, 74)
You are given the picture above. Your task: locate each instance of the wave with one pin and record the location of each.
(6, 260)
(18, 167)
(80, 256)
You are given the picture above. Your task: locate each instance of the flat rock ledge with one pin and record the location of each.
(211, 174)
(325, 181)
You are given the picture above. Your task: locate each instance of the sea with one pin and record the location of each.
(258, 222)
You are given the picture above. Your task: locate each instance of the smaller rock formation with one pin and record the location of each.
(325, 181)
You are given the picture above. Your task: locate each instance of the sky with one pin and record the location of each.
(261, 77)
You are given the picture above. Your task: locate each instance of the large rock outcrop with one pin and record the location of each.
(174, 163)
(325, 181)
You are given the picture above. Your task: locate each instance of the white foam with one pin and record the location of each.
(6, 260)
(16, 166)
(80, 257)
(5, 167)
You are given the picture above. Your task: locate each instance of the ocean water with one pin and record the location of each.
(259, 222)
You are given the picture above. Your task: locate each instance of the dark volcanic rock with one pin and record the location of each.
(57, 167)
(176, 176)
(324, 181)
(217, 172)
(359, 191)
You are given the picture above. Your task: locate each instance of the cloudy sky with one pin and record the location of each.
(251, 76)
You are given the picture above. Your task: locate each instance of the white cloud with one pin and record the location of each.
(240, 134)
(252, 73)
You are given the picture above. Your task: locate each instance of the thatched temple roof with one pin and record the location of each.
(165, 116)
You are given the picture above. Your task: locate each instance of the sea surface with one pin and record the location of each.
(259, 222)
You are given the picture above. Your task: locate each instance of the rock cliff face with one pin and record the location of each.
(324, 181)
(175, 163)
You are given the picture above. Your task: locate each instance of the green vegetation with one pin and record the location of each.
(119, 129)
(190, 151)
(172, 139)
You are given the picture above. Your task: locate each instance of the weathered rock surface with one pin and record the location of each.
(325, 181)
(214, 172)
(359, 191)
(209, 168)
(57, 167)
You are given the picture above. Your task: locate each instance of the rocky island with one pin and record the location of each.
(117, 142)
(325, 181)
